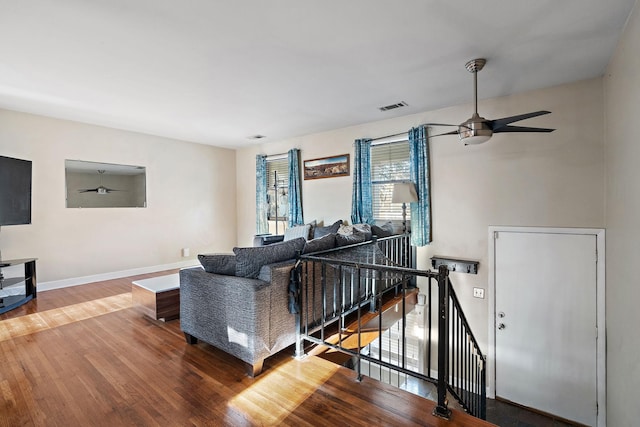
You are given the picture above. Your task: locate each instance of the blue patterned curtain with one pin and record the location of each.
(361, 202)
(262, 227)
(294, 214)
(420, 210)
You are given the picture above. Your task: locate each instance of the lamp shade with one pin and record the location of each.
(404, 192)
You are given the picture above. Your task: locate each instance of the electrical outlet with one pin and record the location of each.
(185, 252)
(478, 293)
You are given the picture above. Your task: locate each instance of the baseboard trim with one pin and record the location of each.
(75, 281)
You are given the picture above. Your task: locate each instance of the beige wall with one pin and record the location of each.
(190, 199)
(622, 113)
(552, 179)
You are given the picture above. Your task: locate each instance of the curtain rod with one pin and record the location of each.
(390, 136)
(405, 134)
(277, 156)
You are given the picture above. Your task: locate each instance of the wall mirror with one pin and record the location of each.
(105, 185)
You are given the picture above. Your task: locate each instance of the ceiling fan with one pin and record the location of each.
(477, 130)
(100, 189)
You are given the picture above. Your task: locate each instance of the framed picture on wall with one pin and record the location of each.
(327, 167)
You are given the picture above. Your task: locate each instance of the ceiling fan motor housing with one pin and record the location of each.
(476, 130)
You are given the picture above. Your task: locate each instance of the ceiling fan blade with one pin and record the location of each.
(521, 129)
(88, 190)
(498, 123)
(453, 132)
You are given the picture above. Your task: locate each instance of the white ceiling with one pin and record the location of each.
(217, 72)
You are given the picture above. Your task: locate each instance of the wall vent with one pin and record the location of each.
(393, 106)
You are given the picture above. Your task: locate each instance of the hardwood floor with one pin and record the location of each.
(84, 356)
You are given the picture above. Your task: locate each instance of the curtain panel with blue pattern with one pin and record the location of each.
(420, 210)
(262, 227)
(294, 215)
(361, 202)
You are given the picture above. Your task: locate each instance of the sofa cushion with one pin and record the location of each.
(349, 239)
(218, 263)
(384, 230)
(323, 231)
(323, 243)
(250, 260)
(297, 231)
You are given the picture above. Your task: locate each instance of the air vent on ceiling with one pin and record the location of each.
(393, 106)
(256, 137)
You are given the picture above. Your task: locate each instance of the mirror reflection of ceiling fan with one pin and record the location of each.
(101, 189)
(477, 130)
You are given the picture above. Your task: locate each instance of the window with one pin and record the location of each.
(389, 164)
(277, 193)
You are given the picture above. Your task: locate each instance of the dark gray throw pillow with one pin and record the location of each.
(349, 239)
(323, 231)
(363, 229)
(384, 230)
(323, 243)
(250, 260)
(218, 263)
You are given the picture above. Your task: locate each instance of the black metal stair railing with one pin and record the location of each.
(346, 296)
(467, 364)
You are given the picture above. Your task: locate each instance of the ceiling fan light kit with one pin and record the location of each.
(477, 129)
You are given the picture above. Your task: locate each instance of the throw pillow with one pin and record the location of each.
(384, 230)
(297, 231)
(344, 240)
(364, 229)
(250, 260)
(323, 231)
(218, 263)
(345, 229)
(313, 224)
(323, 243)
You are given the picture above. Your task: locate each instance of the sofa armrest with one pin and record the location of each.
(267, 239)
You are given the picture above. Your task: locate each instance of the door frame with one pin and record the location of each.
(601, 340)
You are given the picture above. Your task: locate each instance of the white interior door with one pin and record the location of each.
(546, 322)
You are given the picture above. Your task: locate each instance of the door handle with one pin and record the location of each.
(501, 326)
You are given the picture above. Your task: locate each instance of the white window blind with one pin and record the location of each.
(281, 166)
(389, 164)
(277, 196)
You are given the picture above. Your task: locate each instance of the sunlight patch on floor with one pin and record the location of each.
(278, 391)
(37, 322)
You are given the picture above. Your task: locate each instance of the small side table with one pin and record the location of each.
(158, 297)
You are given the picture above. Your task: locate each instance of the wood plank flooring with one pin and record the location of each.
(84, 356)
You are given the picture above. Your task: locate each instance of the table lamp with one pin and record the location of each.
(404, 192)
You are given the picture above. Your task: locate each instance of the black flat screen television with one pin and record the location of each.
(15, 191)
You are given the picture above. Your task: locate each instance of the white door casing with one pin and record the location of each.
(549, 288)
